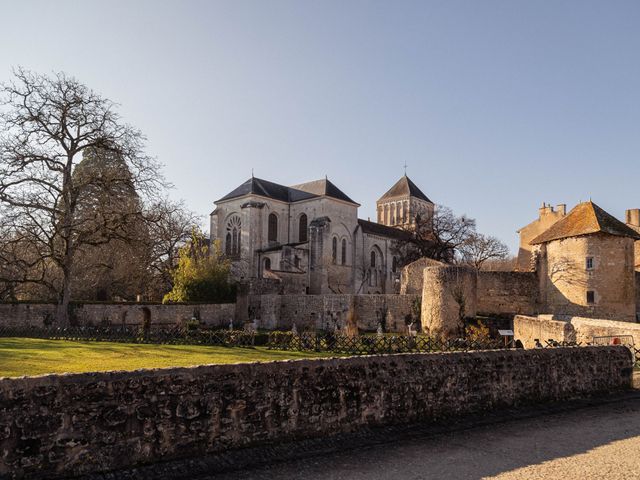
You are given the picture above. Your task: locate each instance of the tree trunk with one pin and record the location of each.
(62, 310)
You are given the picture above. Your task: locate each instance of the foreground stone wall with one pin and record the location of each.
(65, 425)
(507, 293)
(574, 329)
(117, 314)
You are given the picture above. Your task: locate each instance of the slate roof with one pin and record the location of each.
(324, 187)
(264, 188)
(585, 219)
(382, 230)
(403, 188)
(304, 191)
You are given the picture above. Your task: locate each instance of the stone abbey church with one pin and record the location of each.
(308, 238)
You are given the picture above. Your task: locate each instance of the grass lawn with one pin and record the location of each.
(29, 356)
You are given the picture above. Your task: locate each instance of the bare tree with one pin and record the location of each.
(439, 237)
(47, 123)
(170, 226)
(479, 248)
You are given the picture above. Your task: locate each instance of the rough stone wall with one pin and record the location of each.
(23, 314)
(59, 426)
(117, 314)
(564, 279)
(575, 329)
(412, 276)
(329, 312)
(507, 293)
(637, 293)
(449, 297)
(527, 329)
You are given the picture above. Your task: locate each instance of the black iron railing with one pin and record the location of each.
(171, 335)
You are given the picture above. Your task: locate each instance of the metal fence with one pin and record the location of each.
(171, 334)
(375, 344)
(168, 335)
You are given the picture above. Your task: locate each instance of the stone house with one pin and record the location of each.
(309, 237)
(632, 219)
(585, 265)
(547, 216)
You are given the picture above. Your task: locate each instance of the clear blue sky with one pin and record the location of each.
(496, 106)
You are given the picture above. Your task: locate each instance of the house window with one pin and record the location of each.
(589, 263)
(272, 235)
(267, 264)
(296, 261)
(344, 251)
(334, 250)
(302, 228)
(394, 265)
(591, 297)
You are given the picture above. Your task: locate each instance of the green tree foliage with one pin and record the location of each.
(202, 274)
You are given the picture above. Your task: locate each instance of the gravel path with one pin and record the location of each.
(601, 442)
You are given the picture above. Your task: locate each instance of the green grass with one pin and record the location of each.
(29, 356)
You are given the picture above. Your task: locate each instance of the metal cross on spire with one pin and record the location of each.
(405, 169)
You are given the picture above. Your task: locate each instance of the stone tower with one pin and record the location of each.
(402, 203)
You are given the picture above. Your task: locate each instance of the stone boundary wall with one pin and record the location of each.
(573, 329)
(507, 293)
(20, 314)
(59, 426)
(527, 329)
(327, 312)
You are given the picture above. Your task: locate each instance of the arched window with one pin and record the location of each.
(232, 238)
(344, 252)
(267, 264)
(272, 235)
(302, 228)
(394, 264)
(334, 250)
(227, 244)
(373, 259)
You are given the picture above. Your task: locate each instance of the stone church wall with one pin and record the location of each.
(61, 426)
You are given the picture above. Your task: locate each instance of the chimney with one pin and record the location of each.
(632, 217)
(562, 209)
(545, 209)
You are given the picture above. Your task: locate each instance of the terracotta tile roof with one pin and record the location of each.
(405, 188)
(585, 219)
